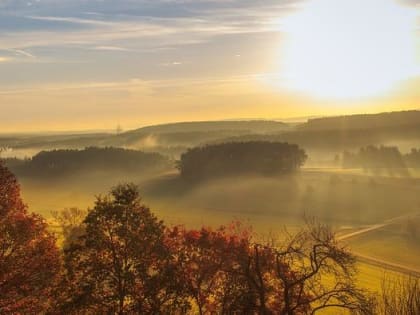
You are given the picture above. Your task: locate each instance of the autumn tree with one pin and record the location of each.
(29, 258)
(211, 268)
(226, 272)
(121, 265)
(318, 273)
(70, 222)
(10, 199)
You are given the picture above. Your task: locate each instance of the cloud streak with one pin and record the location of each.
(110, 48)
(73, 20)
(193, 20)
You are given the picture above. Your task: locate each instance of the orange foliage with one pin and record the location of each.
(29, 258)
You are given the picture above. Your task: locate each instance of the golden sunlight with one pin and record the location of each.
(349, 50)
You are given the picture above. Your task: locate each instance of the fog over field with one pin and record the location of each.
(363, 182)
(328, 186)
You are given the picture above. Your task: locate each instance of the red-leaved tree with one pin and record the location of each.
(210, 265)
(29, 258)
(9, 192)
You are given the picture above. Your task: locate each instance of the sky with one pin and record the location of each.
(96, 64)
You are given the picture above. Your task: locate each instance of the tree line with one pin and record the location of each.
(371, 157)
(253, 157)
(119, 258)
(91, 159)
(381, 157)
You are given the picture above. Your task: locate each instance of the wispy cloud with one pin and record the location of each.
(22, 52)
(179, 21)
(74, 86)
(73, 20)
(135, 83)
(173, 63)
(111, 48)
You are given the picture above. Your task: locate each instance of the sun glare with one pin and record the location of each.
(349, 49)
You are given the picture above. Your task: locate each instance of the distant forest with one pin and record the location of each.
(324, 134)
(92, 159)
(203, 162)
(369, 121)
(346, 132)
(196, 163)
(381, 157)
(256, 157)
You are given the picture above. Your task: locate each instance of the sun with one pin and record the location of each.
(349, 49)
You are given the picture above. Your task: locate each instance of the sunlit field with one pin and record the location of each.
(342, 197)
(392, 243)
(348, 200)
